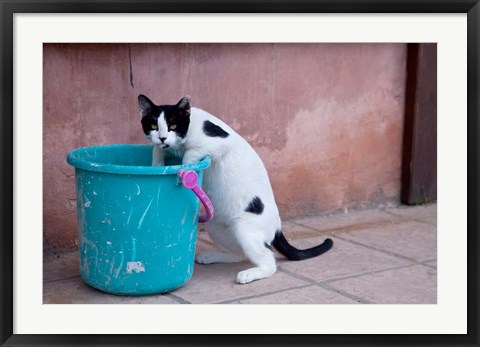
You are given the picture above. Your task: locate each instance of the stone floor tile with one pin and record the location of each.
(216, 283)
(372, 250)
(312, 294)
(414, 212)
(411, 239)
(415, 284)
(431, 263)
(354, 220)
(65, 266)
(290, 229)
(294, 230)
(344, 259)
(76, 291)
(431, 219)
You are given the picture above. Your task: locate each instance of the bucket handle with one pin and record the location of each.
(189, 180)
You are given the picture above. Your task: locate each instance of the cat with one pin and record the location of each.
(246, 222)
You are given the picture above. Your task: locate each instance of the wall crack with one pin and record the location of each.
(130, 64)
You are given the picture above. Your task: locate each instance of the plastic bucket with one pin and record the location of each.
(137, 223)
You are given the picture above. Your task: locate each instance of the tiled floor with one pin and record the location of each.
(379, 257)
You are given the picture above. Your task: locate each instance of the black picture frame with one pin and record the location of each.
(9, 7)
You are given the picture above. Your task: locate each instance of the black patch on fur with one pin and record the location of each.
(281, 244)
(177, 117)
(267, 246)
(213, 130)
(255, 206)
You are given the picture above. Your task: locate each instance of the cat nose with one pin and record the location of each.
(163, 139)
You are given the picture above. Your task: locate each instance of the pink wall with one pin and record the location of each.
(327, 119)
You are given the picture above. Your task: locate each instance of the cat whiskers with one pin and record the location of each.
(177, 151)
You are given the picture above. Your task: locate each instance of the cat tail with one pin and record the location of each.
(281, 244)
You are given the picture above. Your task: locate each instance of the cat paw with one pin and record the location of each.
(253, 274)
(205, 258)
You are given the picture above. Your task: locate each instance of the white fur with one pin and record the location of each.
(235, 177)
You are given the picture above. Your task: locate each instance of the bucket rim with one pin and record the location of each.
(80, 163)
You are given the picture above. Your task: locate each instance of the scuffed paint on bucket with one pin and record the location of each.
(137, 223)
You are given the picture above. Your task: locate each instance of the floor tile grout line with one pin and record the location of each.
(297, 276)
(362, 227)
(62, 279)
(366, 273)
(424, 262)
(401, 219)
(323, 285)
(428, 260)
(364, 245)
(410, 218)
(345, 294)
(418, 219)
(309, 282)
(177, 298)
(384, 251)
(324, 233)
(328, 232)
(311, 228)
(424, 222)
(229, 301)
(340, 278)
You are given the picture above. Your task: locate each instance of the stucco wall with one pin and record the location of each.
(327, 119)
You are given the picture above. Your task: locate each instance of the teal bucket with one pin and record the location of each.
(137, 223)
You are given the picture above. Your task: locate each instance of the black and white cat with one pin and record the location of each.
(246, 222)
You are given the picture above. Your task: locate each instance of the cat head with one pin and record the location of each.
(165, 125)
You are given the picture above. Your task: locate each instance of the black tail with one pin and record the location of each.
(281, 244)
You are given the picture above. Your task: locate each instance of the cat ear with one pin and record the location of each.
(145, 105)
(183, 105)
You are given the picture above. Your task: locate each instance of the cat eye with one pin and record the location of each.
(154, 127)
(173, 127)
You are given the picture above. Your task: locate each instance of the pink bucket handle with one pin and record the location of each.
(189, 180)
